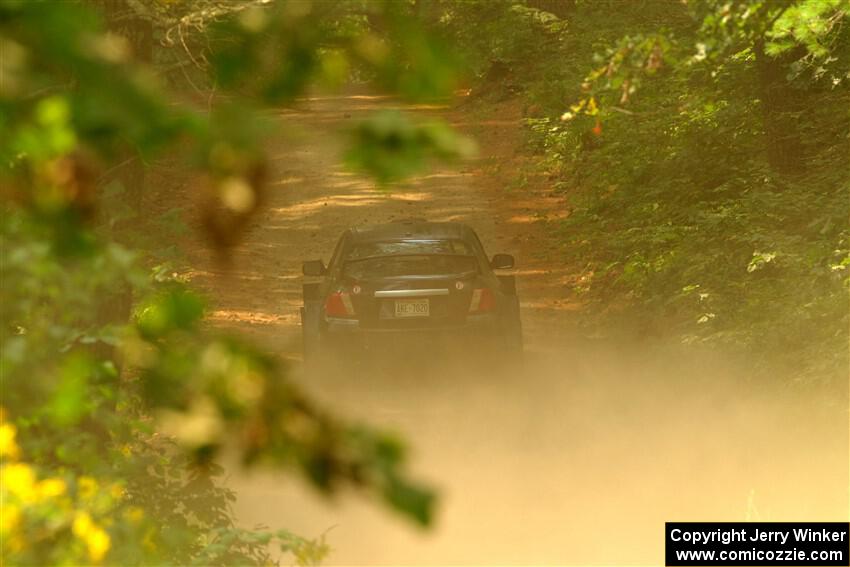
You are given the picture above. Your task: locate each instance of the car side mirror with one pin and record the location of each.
(313, 268)
(502, 261)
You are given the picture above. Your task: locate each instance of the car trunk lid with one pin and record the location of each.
(413, 302)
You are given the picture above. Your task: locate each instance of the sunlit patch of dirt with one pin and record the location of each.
(301, 210)
(556, 305)
(421, 179)
(522, 219)
(408, 196)
(286, 180)
(532, 218)
(252, 317)
(242, 276)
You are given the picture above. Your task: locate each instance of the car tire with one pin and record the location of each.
(512, 334)
(311, 315)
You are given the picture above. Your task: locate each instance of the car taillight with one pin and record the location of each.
(338, 304)
(482, 300)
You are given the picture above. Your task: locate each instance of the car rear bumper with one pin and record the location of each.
(476, 331)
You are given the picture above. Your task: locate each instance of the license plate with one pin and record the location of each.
(412, 308)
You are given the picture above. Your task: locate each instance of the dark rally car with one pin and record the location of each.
(407, 282)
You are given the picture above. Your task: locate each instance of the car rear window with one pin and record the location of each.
(405, 247)
(409, 258)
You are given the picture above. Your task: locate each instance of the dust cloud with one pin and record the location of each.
(578, 459)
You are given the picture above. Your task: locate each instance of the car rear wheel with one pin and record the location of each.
(311, 318)
(309, 334)
(512, 326)
(513, 340)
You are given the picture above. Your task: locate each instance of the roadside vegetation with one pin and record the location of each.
(116, 398)
(702, 148)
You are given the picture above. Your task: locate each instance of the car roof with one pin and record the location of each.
(410, 229)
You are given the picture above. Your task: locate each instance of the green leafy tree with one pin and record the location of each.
(701, 150)
(116, 397)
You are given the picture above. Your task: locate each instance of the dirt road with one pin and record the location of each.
(579, 460)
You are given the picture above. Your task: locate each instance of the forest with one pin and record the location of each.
(673, 176)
